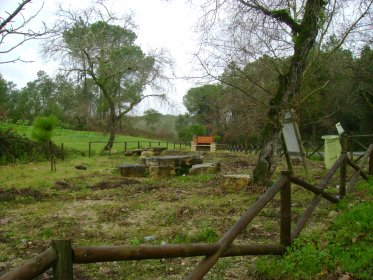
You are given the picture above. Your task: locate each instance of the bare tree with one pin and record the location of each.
(98, 44)
(15, 25)
(244, 30)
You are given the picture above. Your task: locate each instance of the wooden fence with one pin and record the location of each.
(61, 255)
(239, 148)
(353, 143)
(128, 145)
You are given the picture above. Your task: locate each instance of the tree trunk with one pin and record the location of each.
(267, 160)
(112, 128)
(289, 87)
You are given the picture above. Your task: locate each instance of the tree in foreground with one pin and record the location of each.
(254, 28)
(42, 131)
(106, 52)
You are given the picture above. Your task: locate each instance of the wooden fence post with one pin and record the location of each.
(125, 146)
(63, 270)
(285, 234)
(89, 149)
(138, 144)
(343, 168)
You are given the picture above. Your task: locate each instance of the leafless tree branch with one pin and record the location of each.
(15, 27)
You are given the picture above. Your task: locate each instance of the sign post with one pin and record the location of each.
(293, 140)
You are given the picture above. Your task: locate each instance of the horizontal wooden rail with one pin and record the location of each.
(313, 189)
(208, 262)
(33, 267)
(93, 254)
(360, 136)
(357, 168)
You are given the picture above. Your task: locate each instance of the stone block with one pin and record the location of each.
(236, 182)
(193, 147)
(132, 170)
(148, 153)
(138, 151)
(213, 147)
(157, 150)
(205, 168)
(161, 171)
(172, 160)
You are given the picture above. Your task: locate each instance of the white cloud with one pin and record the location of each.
(161, 24)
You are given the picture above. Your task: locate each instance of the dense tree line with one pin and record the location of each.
(338, 87)
(271, 55)
(58, 96)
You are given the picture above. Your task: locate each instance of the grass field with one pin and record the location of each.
(99, 207)
(79, 140)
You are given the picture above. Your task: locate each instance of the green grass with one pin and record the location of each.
(99, 207)
(102, 208)
(344, 248)
(79, 140)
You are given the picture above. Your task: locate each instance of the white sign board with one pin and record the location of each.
(291, 141)
(340, 128)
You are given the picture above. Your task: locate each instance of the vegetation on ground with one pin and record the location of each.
(15, 147)
(97, 206)
(14, 137)
(345, 248)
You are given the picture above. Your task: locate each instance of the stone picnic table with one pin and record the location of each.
(160, 166)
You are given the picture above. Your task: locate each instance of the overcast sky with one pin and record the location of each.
(160, 24)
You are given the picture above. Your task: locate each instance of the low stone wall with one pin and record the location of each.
(195, 147)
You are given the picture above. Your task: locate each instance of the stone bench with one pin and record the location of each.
(170, 165)
(161, 166)
(161, 171)
(205, 168)
(147, 152)
(175, 160)
(132, 170)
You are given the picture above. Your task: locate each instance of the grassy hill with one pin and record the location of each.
(76, 140)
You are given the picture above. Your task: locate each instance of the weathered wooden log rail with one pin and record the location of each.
(62, 255)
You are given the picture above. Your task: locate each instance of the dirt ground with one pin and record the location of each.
(99, 207)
